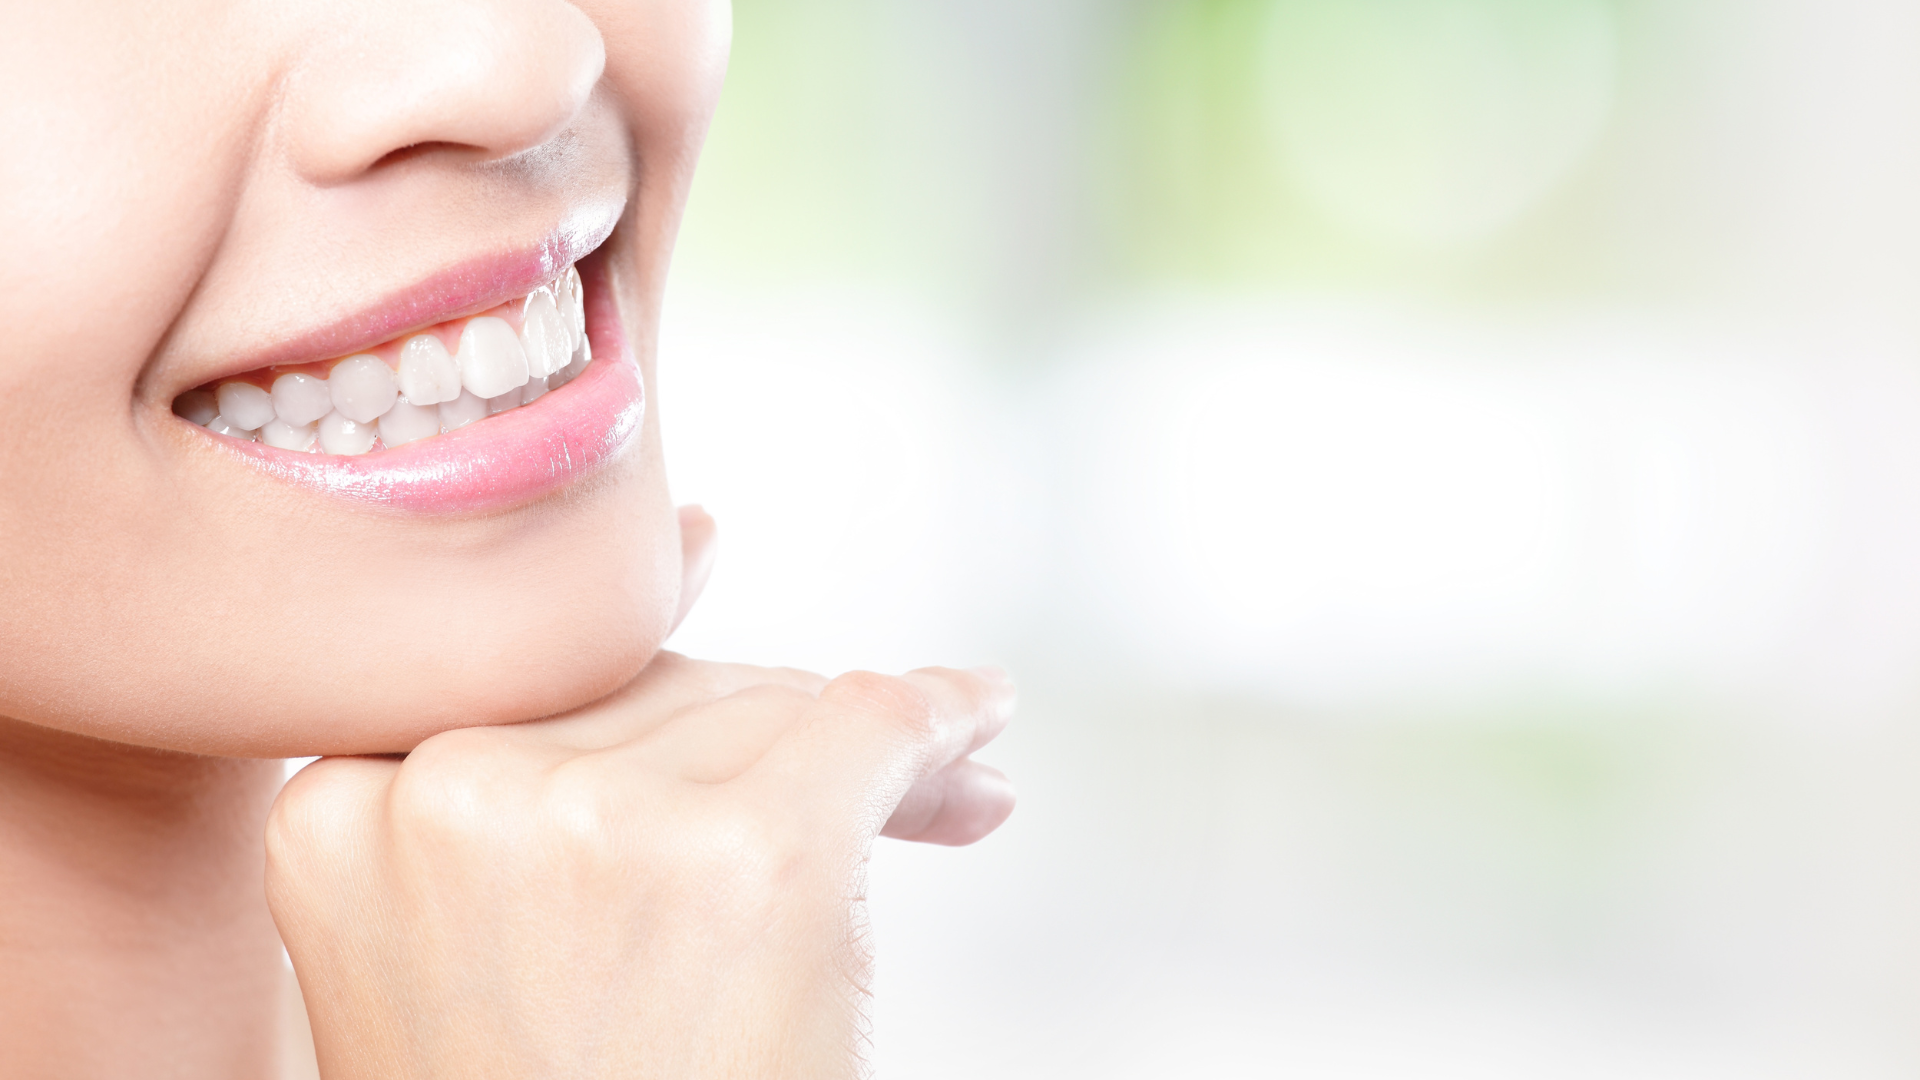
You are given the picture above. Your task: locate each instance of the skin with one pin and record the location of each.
(568, 853)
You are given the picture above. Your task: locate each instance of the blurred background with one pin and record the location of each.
(1446, 474)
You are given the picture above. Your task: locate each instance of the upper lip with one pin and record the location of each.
(465, 288)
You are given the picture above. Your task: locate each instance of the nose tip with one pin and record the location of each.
(492, 79)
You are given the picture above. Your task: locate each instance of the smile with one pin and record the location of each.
(437, 419)
(403, 391)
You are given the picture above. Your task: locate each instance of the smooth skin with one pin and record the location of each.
(539, 846)
(674, 876)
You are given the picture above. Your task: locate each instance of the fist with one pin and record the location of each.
(667, 883)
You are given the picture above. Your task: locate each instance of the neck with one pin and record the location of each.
(133, 924)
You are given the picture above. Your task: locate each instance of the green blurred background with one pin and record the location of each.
(1445, 473)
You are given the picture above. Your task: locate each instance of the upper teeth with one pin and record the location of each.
(364, 400)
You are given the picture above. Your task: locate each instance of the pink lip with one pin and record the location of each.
(466, 289)
(500, 461)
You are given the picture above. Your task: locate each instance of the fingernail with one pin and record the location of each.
(994, 674)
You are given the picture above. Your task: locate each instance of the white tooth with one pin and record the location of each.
(197, 406)
(573, 304)
(220, 425)
(301, 399)
(287, 436)
(544, 336)
(362, 387)
(462, 411)
(564, 302)
(533, 390)
(341, 434)
(244, 404)
(491, 359)
(582, 356)
(508, 400)
(407, 422)
(428, 374)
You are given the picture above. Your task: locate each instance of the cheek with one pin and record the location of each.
(124, 153)
(667, 58)
(358, 637)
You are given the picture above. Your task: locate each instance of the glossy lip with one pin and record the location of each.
(458, 291)
(500, 461)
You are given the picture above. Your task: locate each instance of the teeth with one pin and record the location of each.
(301, 399)
(344, 435)
(219, 425)
(582, 356)
(364, 401)
(544, 336)
(462, 411)
(407, 422)
(491, 359)
(512, 399)
(363, 388)
(428, 374)
(573, 307)
(278, 432)
(198, 406)
(244, 405)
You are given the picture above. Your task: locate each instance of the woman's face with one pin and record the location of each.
(213, 192)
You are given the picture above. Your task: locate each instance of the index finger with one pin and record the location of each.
(669, 685)
(869, 738)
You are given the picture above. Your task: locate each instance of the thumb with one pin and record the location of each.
(699, 545)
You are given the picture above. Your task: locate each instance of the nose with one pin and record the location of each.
(488, 79)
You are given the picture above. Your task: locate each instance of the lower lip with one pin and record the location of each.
(501, 461)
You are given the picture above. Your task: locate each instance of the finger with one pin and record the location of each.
(956, 806)
(322, 812)
(668, 684)
(336, 781)
(869, 738)
(699, 546)
(1002, 695)
(671, 682)
(720, 740)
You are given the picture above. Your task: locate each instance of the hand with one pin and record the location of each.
(667, 883)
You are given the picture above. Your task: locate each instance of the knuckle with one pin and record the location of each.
(774, 696)
(316, 818)
(291, 831)
(452, 787)
(584, 809)
(436, 806)
(909, 709)
(453, 746)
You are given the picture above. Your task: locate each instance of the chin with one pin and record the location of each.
(503, 620)
(275, 590)
(535, 641)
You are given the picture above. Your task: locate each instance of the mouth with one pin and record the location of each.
(473, 413)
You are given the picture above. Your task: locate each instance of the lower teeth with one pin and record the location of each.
(369, 401)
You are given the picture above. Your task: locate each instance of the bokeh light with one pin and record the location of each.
(1446, 473)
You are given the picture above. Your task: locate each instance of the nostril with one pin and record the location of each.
(408, 153)
(506, 77)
